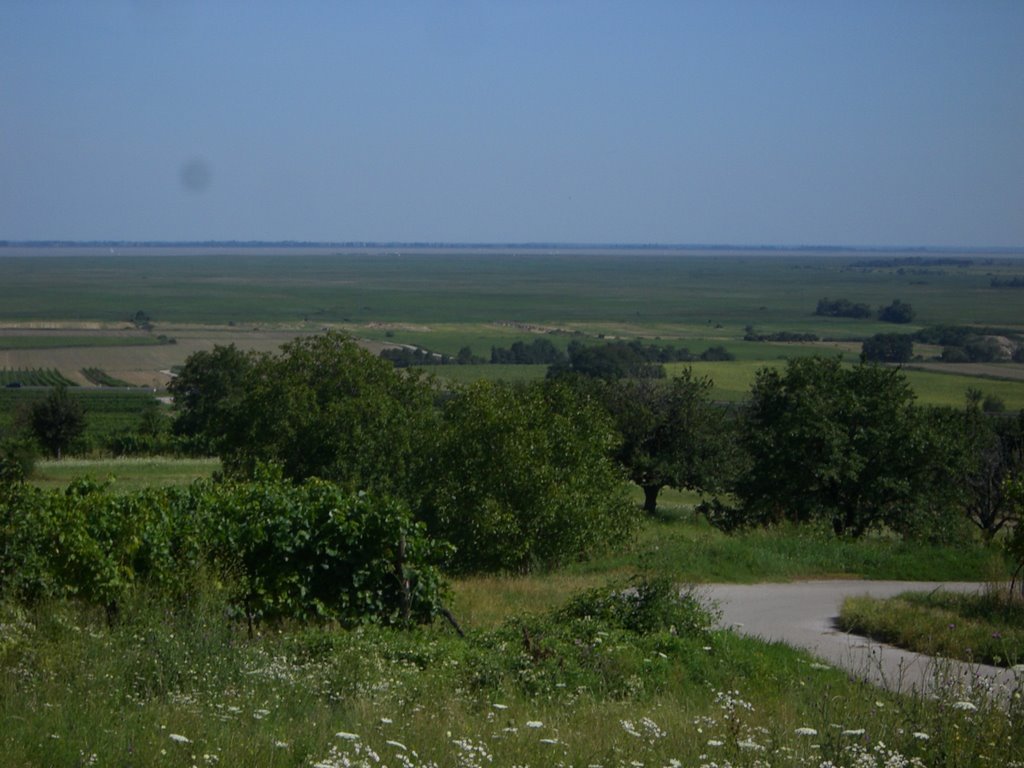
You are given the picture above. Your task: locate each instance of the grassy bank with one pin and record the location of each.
(987, 628)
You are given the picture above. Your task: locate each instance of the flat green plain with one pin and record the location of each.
(445, 299)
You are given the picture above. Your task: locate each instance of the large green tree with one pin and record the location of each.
(842, 444)
(672, 434)
(521, 477)
(994, 455)
(325, 407)
(57, 421)
(206, 392)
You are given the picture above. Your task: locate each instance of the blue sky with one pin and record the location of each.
(768, 122)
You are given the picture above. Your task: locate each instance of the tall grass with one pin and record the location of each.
(986, 628)
(179, 684)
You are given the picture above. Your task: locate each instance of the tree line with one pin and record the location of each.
(816, 441)
(612, 359)
(496, 477)
(896, 312)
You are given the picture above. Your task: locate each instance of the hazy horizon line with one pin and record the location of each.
(527, 245)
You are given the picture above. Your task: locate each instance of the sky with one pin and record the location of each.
(775, 122)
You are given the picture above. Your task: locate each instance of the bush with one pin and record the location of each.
(643, 606)
(314, 552)
(307, 551)
(521, 478)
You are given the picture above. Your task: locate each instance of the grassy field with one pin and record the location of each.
(772, 291)
(445, 300)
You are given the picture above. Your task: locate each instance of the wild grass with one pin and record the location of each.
(678, 541)
(986, 627)
(176, 683)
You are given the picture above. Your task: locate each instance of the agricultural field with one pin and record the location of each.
(107, 410)
(71, 309)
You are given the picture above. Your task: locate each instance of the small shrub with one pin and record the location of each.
(643, 606)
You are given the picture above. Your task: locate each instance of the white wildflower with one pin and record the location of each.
(921, 736)
(179, 739)
(715, 743)
(806, 731)
(549, 741)
(397, 745)
(534, 724)
(965, 706)
(347, 736)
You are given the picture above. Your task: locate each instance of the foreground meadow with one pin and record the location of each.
(553, 669)
(181, 685)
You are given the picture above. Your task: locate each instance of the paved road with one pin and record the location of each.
(803, 615)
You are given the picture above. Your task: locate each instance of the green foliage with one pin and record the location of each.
(846, 446)
(897, 312)
(327, 408)
(842, 308)
(307, 551)
(521, 477)
(614, 360)
(994, 455)
(19, 451)
(672, 434)
(888, 348)
(1013, 489)
(537, 352)
(206, 391)
(313, 551)
(57, 421)
(643, 606)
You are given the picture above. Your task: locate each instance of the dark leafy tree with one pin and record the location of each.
(57, 421)
(207, 391)
(537, 352)
(672, 434)
(994, 455)
(888, 348)
(844, 445)
(842, 308)
(897, 312)
(610, 361)
(1013, 489)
